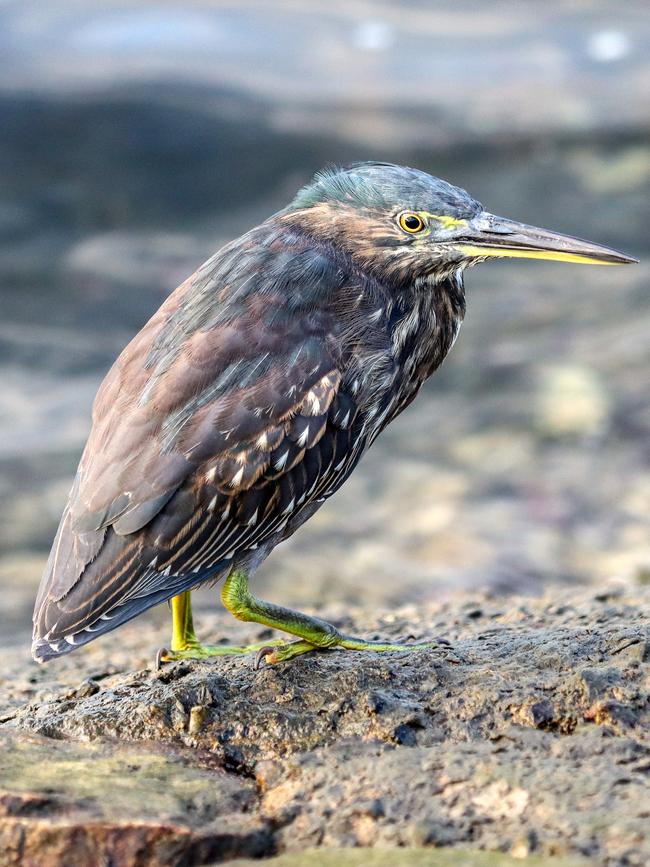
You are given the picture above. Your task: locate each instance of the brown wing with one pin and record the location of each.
(220, 421)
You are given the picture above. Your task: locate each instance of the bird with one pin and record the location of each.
(252, 394)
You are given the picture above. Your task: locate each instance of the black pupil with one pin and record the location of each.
(412, 222)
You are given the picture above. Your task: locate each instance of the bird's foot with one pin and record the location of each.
(281, 651)
(196, 650)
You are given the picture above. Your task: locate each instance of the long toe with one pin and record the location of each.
(196, 650)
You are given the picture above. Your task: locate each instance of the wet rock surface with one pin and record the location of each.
(528, 733)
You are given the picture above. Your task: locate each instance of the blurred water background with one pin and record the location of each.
(136, 137)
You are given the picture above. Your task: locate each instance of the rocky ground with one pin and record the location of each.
(525, 732)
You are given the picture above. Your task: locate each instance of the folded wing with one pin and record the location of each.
(223, 419)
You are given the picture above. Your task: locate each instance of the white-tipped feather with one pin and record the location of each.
(236, 479)
(281, 460)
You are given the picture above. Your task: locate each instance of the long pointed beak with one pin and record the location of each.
(487, 236)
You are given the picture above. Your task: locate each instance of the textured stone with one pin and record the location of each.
(410, 858)
(529, 734)
(91, 804)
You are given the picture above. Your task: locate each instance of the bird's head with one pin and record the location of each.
(402, 224)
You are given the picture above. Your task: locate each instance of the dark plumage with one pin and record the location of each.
(252, 393)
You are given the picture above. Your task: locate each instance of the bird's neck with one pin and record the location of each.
(404, 344)
(424, 324)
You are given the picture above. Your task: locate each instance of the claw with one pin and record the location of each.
(162, 652)
(260, 657)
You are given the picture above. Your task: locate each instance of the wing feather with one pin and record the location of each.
(212, 433)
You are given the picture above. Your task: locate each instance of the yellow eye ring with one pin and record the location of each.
(411, 223)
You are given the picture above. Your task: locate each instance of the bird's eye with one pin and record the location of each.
(411, 223)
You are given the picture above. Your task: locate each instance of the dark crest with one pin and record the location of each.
(385, 186)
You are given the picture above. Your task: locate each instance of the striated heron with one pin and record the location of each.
(251, 395)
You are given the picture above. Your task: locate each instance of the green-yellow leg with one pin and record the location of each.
(312, 632)
(185, 644)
